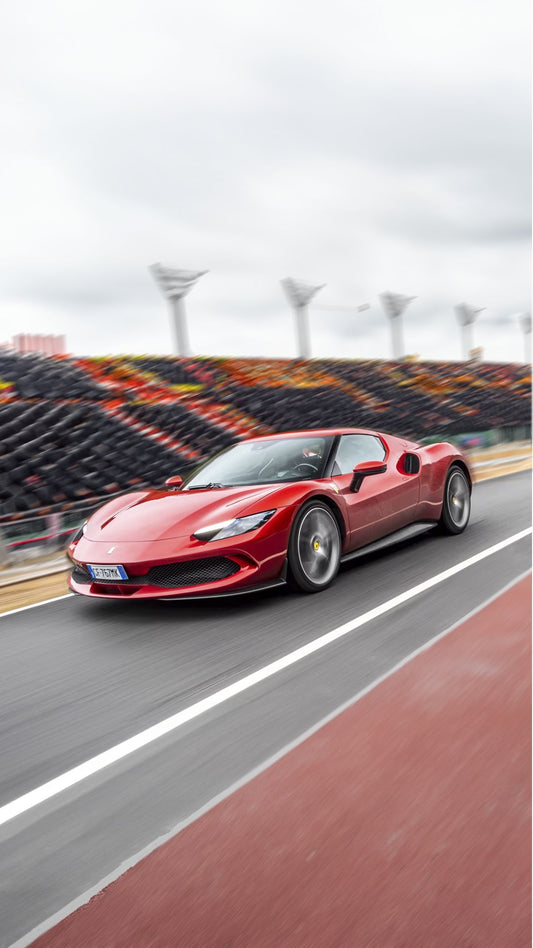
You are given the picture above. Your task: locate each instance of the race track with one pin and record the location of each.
(79, 677)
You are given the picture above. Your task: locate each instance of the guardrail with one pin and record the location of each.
(31, 537)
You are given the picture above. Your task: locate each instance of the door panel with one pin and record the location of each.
(385, 502)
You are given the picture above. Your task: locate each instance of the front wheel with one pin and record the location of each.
(456, 506)
(314, 548)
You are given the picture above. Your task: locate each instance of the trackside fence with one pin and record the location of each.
(49, 534)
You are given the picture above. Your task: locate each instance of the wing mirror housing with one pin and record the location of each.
(365, 469)
(174, 482)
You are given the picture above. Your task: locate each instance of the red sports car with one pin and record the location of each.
(282, 508)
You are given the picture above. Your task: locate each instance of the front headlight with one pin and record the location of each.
(232, 528)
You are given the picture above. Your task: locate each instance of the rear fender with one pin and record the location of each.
(437, 459)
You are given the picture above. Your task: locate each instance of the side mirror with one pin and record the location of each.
(365, 469)
(174, 482)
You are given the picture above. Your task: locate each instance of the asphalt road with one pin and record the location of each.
(79, 676)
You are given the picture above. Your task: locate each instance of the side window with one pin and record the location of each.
(356, 448)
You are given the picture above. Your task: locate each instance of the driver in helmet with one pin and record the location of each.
(309, 458)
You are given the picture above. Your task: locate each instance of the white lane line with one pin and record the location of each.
(34, 605)
(90, 767)
(131, 861)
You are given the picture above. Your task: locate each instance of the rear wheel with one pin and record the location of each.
(456, 506)
(314, 548)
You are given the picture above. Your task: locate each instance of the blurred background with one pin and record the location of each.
(339, 204)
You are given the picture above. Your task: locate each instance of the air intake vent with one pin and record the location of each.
(80, 575)
(411, 464)
(191, 573)
(172, 575)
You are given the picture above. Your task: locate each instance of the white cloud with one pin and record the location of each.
(374, 147)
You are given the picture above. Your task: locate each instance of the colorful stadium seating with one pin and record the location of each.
(76, 430)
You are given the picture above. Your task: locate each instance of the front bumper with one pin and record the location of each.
(184, 567)
(182, 579)
(195, 571)
(194, 593)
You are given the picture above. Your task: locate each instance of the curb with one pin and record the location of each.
(13, 575)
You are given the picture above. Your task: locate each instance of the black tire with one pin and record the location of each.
(314, 548)
(456, 502)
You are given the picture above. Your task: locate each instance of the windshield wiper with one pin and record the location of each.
(204, 486)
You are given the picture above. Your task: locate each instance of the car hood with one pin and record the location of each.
(166, 515)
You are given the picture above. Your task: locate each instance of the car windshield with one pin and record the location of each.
(264, 462)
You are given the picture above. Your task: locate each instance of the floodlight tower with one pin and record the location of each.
(394, 305)
(299, 295)
(175, 284)
(467, 316)
(525, 325)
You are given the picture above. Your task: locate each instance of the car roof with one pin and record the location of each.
(313, 433)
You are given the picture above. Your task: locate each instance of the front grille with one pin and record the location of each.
(191, 573)
(171, 575)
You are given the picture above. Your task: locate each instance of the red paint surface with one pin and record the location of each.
(153, 527)
(403, 822)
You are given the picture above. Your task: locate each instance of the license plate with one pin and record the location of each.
(107, 572)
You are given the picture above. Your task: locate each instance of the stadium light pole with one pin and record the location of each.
(525, 325)
(466, 316)
(395, 305)
(299, 295)
(175, 284)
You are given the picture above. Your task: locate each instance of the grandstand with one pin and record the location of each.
(79, 430)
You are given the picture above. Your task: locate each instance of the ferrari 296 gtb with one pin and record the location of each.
(285, 508)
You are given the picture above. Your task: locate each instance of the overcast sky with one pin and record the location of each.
(371, 146)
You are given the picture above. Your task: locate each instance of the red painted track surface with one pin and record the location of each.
(405, 821)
